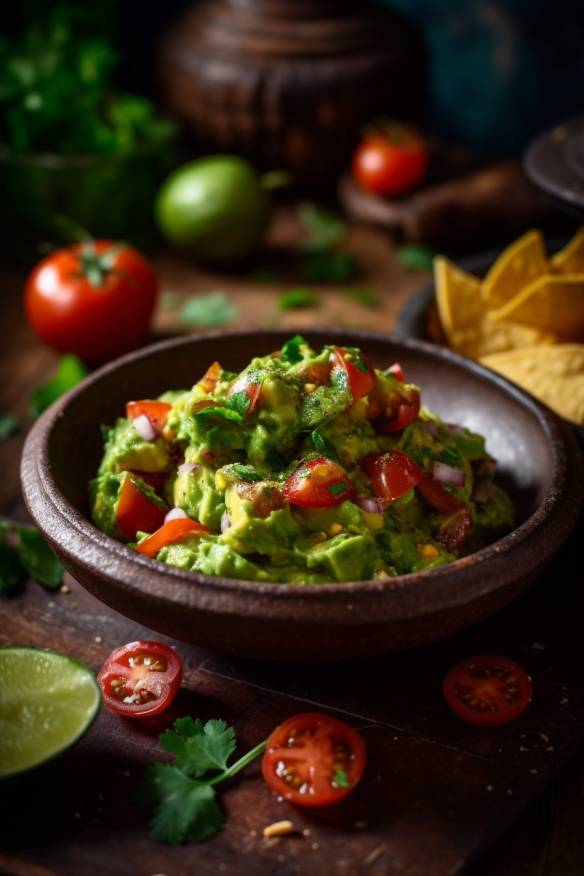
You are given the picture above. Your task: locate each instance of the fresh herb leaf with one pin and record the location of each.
(297, 299)
(219, 412)
(227, 376)
(8, 426)
(184, 809)
(199, 749)
(291, 349)
(322, 227)
(70, 371)
(415, 257)
(361, 364)
(38, 559)
(208, 311)
(337, 489)
(323, 445)
(12, 572)
(327, 266)
(365, 295)
(341, 779)
(239, 402)
(245, 472)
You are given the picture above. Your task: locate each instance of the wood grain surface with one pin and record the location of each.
(438, 797)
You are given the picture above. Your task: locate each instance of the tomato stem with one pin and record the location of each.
(240, 764)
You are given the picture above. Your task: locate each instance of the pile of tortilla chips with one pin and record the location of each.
(524, 320)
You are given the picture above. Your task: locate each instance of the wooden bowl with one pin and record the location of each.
(539, 463)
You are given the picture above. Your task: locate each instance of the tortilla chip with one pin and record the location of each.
(554, 375)
(570, 259)
(516, 267)
(486, 337)
(551, 303)
(458, 295)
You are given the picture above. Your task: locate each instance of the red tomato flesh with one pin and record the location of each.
(156, 411)
(140, 679)
(455, 529)
(360, 374)
(318, 483)
(487, 691)
(437, 497)
(404, 411)
(397, 372)
(313, 760)
(135, 512)
(392, 473)
(252, 390)
(171, 532)
(210, 378)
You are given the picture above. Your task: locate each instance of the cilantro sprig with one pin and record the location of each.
(181, 795)
(23, 551)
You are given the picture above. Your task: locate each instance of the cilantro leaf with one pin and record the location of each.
(208, 311)
(322, 227)
(239, 402)
(70, 371)
(38, 559)
(415, 257)
(326, 266)
(291, 349)
(367, 296)
(297, 299)
(337, 489)
(223, 413)
(8, 426)
(12, 572)
(245, 472)
(323, 445)
(183, 808)
(199, 748)
(341, 779)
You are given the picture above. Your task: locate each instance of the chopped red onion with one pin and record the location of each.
(175, 514)
(188, 467)
(225, 522)
(370, 504)
(144, 428)
(447, 474)
(482, 490)
(454, 429)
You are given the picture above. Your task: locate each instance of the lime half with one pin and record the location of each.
(47, 702)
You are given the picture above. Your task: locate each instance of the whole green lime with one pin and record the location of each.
(213, 208)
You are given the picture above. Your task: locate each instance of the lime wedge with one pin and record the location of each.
(47, 702)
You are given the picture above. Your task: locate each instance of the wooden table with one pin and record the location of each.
(437, 794)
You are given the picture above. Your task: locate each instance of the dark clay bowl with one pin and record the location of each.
(539, 462)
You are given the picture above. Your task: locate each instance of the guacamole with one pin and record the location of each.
(306, 467)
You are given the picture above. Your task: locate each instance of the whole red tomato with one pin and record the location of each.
(390, 160)
(94, 299)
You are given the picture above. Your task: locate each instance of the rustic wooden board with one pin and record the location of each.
(425, 808)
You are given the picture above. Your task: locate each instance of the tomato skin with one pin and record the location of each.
(319, 483)
(487, 690)
(95, 322)
(322, 740)
(393, 473)
(161, 685)
(252, 390)
(361, 380)
(135, 512)
(437, 497)
(390, 161)
(263, 496)
(156, 411)
(455, 529)
(405, 412)
(210, 378)
(171, 532)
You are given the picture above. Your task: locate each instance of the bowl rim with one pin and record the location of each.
(36, 467)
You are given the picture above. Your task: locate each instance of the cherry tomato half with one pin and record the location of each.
(392, 473)
(360, 374)
(487, 691)
(313, 760)
(94, 299)
(135, 512)
(402, 410)
(210, 378)
(390, 161)
(156, 411)
(140, 679)
(318, 483)
(455, 529)
(437, 497)
(171, 532)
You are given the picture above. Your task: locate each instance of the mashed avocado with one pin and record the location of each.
(306, 467)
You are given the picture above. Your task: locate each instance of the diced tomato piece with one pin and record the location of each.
(154, 479)
(488, 690)
(171, 532)
(437, 497)
(263, 496)
(397, 372)
(252, 390)
(318, 483)
(455, 529)
(313, 760)
(210, 378)
(392, 473)
(405, 411)
(156, 411)
(359, 372)
(316, 372)
(135, 512)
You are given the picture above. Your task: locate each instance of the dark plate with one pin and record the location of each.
(539, 463)
(554, 162)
